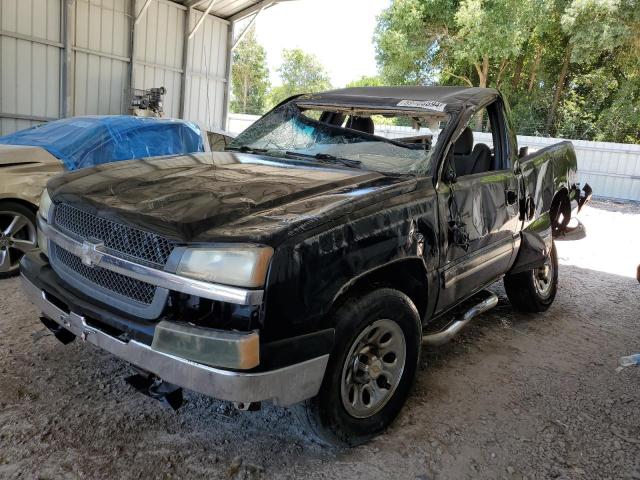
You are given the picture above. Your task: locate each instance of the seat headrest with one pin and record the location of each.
(362, 124)
(464, 144)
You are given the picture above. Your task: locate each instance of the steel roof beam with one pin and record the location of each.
(202, 19)
(254, 8)
(142, 12)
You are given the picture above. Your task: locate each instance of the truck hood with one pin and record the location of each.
(224, 196)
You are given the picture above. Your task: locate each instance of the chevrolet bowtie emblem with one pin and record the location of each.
(91, 254)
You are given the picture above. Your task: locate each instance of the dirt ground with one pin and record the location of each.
(516, 396)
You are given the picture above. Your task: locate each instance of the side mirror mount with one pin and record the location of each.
(523, 152)
(450, 175)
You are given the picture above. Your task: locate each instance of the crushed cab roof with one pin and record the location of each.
(405, 97)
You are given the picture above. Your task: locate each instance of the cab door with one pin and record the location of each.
(479, 206)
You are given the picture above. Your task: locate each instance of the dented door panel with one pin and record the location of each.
(485, 207)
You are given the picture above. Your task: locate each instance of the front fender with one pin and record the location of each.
(307, 275)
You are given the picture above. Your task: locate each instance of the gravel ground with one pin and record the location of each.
(516, 396)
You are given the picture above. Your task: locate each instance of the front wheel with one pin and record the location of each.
(17, 236)
(534, 290)
(370, 371)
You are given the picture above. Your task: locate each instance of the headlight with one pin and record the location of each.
(45, 205)
(240, 266)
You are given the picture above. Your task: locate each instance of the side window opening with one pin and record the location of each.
(480, 148)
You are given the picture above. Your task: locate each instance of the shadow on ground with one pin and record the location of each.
(517, 395)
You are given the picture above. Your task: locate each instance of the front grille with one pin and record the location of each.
(131, 288)
(128, 241)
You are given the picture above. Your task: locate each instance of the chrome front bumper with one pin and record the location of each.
(285, 386)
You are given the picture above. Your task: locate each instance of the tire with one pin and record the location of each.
(534, 290)
(384, 319)
(17, 236)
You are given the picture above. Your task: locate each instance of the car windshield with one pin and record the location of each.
(290, 132)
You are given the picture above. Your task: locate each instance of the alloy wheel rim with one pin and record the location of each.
(17, 236)
(373, 368)
(543, 278)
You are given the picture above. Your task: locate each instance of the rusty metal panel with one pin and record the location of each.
(30, 58)
(207, 75)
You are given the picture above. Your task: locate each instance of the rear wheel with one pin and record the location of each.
(370, 371)
(534, 290)
(17, 236)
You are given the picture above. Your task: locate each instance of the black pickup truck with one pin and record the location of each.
(312, 260)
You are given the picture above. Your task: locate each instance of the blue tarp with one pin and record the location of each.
(81, 142)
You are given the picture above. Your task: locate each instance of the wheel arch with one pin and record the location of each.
(560, 204)
(407, 275)
(19, 201)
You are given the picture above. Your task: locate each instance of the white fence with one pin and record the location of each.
(612, 169)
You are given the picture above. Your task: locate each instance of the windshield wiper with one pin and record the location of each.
(245, 149)
(327, 158)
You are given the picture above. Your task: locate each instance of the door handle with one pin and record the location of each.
(512, 197)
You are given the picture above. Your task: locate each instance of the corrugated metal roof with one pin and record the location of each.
(231, 9)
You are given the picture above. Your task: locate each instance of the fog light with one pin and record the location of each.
(217, 348)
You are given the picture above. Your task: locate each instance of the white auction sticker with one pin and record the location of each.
(426, 104)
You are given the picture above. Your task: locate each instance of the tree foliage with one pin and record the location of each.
(367, 81)
(300, 72)
(250, 76)
(568, 67)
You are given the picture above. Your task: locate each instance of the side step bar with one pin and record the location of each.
(487, 300)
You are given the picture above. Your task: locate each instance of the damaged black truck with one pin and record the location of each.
(311, 261)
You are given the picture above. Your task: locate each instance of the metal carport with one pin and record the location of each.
(81, 57)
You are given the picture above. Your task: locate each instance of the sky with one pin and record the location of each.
(338, 32)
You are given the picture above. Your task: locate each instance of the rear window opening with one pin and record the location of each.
(384, 125)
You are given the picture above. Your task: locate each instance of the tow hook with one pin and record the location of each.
(62, 334)
(247, 406)
(166, 393)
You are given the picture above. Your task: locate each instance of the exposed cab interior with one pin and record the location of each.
(482, 146)
(366, 138)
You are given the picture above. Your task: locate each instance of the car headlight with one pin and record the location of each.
(45, 205)
(240, 266)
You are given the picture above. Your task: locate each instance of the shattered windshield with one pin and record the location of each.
(289, 132)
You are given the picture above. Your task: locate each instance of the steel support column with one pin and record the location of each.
(66, 59)
(228, 86)
(185, 63)
(132, 48)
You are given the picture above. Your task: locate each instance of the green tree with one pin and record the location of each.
(367, 81)
(568, 67)
(421, 41)
(491, 34)
(250, 76)
(590, 29)
(300, 72)
(409, 40)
